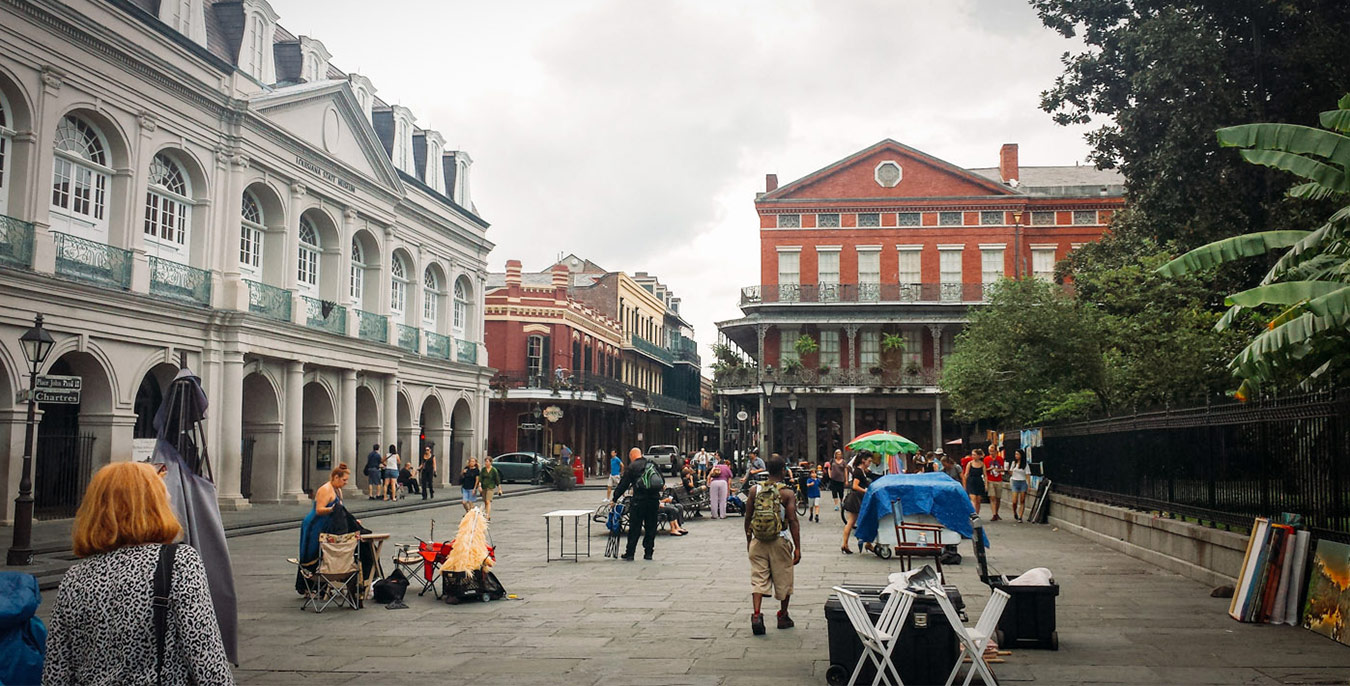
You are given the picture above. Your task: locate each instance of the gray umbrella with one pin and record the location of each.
(181, 445)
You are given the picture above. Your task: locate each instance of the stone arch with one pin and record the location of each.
(330, 253)
(372, 267)
(406, 430)
(432, 425)
(16, 111)
(461, 437)
(73, 441)
(199, 195)
(368, 426)
(272, 206)
(260, 476)
(319, 434)
(101, 217)
(150, 394)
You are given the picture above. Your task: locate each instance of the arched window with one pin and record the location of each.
(167, 205)
(398, 286)
(256, 44)
(250, 234)
(80, 178)
(358, 280)
(461, 308)
(6, 144)
(431, 299)
(308, 275)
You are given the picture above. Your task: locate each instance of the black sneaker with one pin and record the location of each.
(626, 558)
(784, 621)
(757, 624)
(646, 556)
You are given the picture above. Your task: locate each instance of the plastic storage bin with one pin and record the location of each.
(925, 654)
(1029, 619)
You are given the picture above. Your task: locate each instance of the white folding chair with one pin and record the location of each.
(974, 641)
(877, 639)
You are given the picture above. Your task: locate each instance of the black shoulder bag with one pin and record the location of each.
(159, 603)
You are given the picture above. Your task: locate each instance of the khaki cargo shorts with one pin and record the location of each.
(771, 567)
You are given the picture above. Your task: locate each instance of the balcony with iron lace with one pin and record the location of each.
(826, 380)
(950, 293)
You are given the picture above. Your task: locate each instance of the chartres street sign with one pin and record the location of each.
(64, 390)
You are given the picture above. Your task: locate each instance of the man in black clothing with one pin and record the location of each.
(642, 507)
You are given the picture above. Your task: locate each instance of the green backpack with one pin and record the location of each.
(767, 522)
(651, 480)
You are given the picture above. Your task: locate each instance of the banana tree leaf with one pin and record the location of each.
(1228, 317)
(1306, 248)
(1312, 190)
(1292, 339)
(1229, 249)
(1334, 306)
(1338, 119)
(1325, 174)
(1291, 139)
(1283, 293)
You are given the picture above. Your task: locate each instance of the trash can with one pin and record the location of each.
(1028, 620)
(927, 649)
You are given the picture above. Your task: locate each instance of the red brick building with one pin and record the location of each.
(885, 247)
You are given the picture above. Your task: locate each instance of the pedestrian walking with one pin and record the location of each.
(719, 488)
(993, 469)
(374, 472)
(427, 473)
(950, 468)
(615, 472)
(972, 476)
(468, 484)
(1017, 483)
(106, 626)
(838, 473)
(813, 495)
(391, 464)
(770, 517)
(644, 477)
(858, 480)
(489, 482)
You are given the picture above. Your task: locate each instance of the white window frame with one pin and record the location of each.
(534, 356)
(835, 222)
(6, 151)
(431, 298)
(787, 345)
(950, 272)
(827, 288)
(252, 234)
(398, 285)
(829, 348)
(356, 279)
(992, 259)
(789, 282)
(81, 207)
(1043, 261)
(913, 348)
(909, 269)
(869, 348)
(869, 282)
(778, 221)
(307, 256)
(167, 224)
(461, 308)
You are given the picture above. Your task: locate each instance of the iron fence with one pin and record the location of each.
(92, 262)
(407, 337)
(437, 345)
(177, 281)
(371, 326)
(62, 466)
(466, 351)
(269, 301)
(863, 293)
(1227, 462)
(325, 315)
(16, 243)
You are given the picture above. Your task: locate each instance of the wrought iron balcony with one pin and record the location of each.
(887, 293)
(407, 337)
(371, 326)
(177, 281)
(647, 347)
(325, 316)
(269, 301)
(16, 243)
(437, 345)
(80, 259)
(924, 377)
(466, 351)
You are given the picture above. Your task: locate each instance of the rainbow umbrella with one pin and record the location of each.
(883, 442)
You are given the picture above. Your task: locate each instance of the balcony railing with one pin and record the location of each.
(652, 349)
(578, 382)
(84, 260)
(371, 326)
(864, 293)
(466, 351)
(325, 316)
(437, 345)
(177, 281)
(924, 377)
(407, 337)
(16, 243)
(269, 301)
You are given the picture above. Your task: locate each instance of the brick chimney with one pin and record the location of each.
(1007, 164)
(770, 183)
(513, 276)
(560, 278)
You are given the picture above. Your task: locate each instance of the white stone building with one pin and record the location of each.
(186, 177)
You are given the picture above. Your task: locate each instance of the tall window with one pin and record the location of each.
(256, 33)
(991, 265)
(869, 348)
(869, 275)
(913, 356)
(829, 348)
(308, 264)
(6, 137)
(166, 203)
(949, 266)
(461, 308)
(534, 355)
(431, 298)
(789, 275)
(910, 262)
(827, 274)
(250, 234)
(787, 345)
(357, 282)
(398, 285)
(80, 178)
(1043, 263)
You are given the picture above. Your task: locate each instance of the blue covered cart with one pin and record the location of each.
(932, 499)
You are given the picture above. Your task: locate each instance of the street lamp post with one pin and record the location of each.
(538, 429)
(37, 344)
(767, 385)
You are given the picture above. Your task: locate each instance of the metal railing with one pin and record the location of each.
(325, 315)
(177, 281)
(684, 349)
(926, 377)
(80, 259)
(652, 349)
(466, 351)
(579, 382)
(889, 293)
(269, 301)
(1225, 462)
(371, 326)
(16, 243)
(437, 345)
(407, 337)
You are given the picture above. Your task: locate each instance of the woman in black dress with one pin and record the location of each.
(973, 478)
(858, 479)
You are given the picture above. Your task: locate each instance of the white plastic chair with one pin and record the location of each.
(974, 641)
(877, 639)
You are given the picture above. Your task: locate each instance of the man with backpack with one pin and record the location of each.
(770, 515)
(644, 476)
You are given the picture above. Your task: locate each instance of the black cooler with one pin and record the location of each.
(927, 649)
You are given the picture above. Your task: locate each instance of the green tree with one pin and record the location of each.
(1158, 76)
(1031, 354)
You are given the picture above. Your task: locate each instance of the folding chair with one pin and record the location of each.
(915, 540)
(974, 641)
(877, 639)
(339, 572)
(313, 587)
(410, 562)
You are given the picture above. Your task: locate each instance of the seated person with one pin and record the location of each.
(406, 479)
(673, 513)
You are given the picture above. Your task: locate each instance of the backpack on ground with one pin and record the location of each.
(651, 480)
(767, 522)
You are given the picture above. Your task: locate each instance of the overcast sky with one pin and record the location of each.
(636, 133)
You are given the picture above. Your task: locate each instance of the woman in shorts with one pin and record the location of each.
(1017, 483)
(468, 484)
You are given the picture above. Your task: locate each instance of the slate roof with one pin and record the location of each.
(1075, 181)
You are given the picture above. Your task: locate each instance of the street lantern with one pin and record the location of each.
(792, 402)
(768, 386)
(37, 345)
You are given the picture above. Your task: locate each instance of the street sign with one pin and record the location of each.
(58, 390)
(742, 415)
(531, 426)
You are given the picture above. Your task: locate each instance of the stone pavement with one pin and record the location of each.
(684, 618)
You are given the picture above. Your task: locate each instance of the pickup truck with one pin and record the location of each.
(666, 457)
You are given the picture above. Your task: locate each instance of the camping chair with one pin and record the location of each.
(975, 640)
(339, 571)
(422, 563)
(313, 588)
(913, 540)
(877, 639)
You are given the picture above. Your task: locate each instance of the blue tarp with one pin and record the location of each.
(23, 637)
(933, 494)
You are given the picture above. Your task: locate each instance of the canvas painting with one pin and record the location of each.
(1328, 608)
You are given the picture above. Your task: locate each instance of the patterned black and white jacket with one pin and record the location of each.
(101, 629)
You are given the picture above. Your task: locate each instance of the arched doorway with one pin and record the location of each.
(432, 421)
(407, 433)
(461, 437)
(149, 396)
(260, 464)
(367, 430)
(72, 440)
(318, 437)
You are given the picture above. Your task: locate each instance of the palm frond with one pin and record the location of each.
(1229, 249)
(1312, 190)
(1304, 249)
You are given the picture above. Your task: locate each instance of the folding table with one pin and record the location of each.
(563, 515)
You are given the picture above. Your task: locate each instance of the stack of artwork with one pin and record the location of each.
(1270, 583)
(1328, 608)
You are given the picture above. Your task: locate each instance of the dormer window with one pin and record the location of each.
(315, 59)
(403, 134)
(255, 49)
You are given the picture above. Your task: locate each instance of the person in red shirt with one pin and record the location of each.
(993, 469)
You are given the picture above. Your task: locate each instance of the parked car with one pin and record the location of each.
(667, 457)
(531, 467)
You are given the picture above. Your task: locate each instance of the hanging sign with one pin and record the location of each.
(742, 415)
(553, 413)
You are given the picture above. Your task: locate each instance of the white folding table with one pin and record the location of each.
(562, 516)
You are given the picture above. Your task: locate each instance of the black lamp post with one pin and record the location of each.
(37, 344)
(539, 429)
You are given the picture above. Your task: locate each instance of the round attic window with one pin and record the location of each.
(332, 130)
(888, 174)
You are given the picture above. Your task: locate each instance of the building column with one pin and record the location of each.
(390, 428)
(812, 450)
(293, 452)
(891, 423)
(346, 431)
(852, 331)
(937, 422)
(936, 331)
(852, 420)
(231, 433)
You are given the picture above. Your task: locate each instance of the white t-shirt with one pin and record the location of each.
(1017, 473)
(701, 458)
(391, 462)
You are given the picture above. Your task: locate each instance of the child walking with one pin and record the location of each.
(813, 496)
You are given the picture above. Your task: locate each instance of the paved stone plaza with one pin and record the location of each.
(684, 618)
